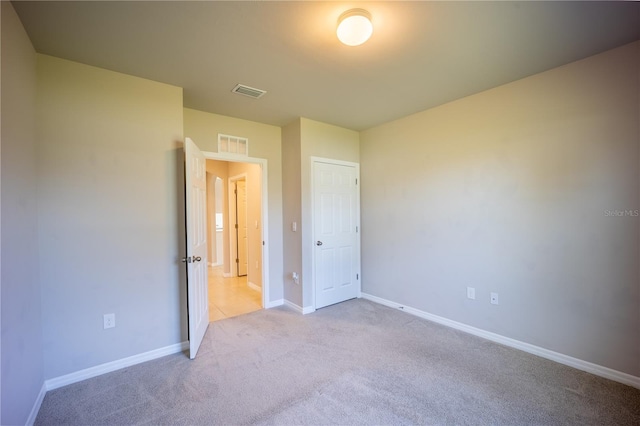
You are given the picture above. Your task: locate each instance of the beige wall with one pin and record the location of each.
(292, 206)
(324, 140)
(111, 214)
(22, 349)
(264, 143)
(303, 139)
(508, 191)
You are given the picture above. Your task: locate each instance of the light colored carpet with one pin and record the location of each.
(352, 363)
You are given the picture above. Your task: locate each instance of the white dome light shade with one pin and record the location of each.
(354, 27)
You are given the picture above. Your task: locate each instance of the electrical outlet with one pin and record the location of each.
(109, 320)
(494, 298)
(294, 226)
(471, 293)
(296, 278)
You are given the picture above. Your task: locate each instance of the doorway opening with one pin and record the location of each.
(236, 198)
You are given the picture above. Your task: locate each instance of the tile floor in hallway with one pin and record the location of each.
(229, 297)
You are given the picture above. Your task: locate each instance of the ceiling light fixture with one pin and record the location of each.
(354, 27)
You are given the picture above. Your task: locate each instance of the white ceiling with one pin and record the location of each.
(421, 54)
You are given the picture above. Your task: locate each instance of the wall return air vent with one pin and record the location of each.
(251, 92)
(233, 145)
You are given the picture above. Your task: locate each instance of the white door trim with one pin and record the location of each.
(264, 211)
(312, 241)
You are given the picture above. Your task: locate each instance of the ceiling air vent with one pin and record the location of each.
(251, 92)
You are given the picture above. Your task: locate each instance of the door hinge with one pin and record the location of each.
(356, 229)
(235, 191)
(357, 276)
(356, 181)
(236, 226)
(237, 260)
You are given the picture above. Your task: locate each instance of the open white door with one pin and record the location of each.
(196, 214)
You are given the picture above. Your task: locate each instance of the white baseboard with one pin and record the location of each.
(293, 306)
(300, 309)
(589, 367)
(36, 406)
(253, 286)
(274, 303)
(108, 367)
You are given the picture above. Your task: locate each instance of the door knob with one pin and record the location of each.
(197, 259)
(318, 243)
(186, 260)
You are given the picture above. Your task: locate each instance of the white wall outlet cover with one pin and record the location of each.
(109, 320)
(471, 293)
(494, 298)
(294, 226)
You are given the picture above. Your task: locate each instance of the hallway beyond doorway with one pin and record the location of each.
(230, 297)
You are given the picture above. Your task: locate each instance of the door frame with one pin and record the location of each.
(233, 242)
(313, 240)
(264, 211)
